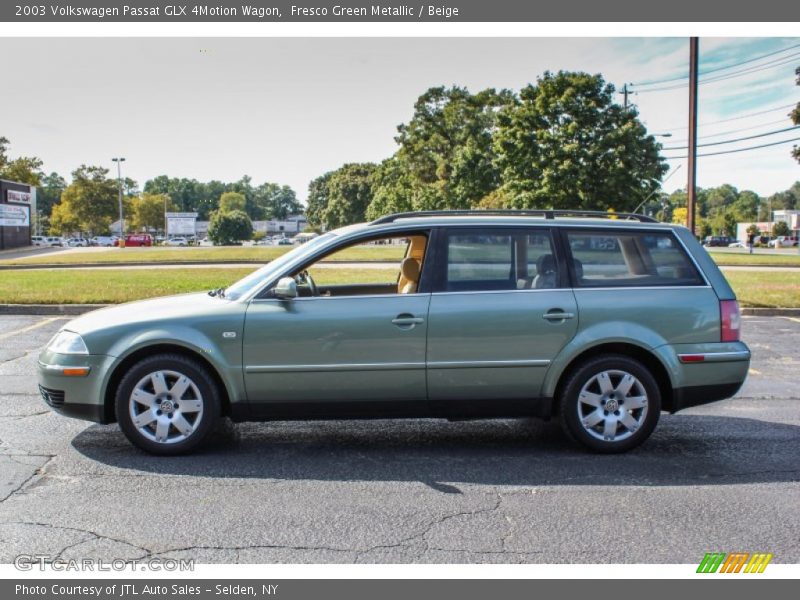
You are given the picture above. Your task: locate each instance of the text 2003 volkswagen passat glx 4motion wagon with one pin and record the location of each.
(602, 323)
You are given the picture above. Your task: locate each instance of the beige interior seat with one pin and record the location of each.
(409, 269)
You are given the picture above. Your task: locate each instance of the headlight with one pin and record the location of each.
(67, 342)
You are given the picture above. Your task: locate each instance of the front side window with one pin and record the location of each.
(511, 259)
(629, 259)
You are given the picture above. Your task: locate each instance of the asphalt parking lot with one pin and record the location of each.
(724, 477)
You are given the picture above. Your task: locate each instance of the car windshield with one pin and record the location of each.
(256, 278)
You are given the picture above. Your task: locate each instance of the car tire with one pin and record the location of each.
(167, 404)
(616, 382)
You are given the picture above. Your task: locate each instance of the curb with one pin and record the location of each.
(49, 309)
(771, 312)
(79, 309)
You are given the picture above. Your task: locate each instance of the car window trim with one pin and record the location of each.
(342, 244)
(440, 262)
(565, 230)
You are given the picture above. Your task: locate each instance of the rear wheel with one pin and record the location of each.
(610, 404)
(167, 404)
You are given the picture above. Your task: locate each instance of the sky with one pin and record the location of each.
(287, 110)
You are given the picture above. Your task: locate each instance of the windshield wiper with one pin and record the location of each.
(219, 292)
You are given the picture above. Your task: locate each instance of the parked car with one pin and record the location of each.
(504, 315)
(283, 242)
(783, 241)
(77, 242)
(137, 239)
(176, 241)
(721, 241)
(37, 240)
(53, 241)
(103, 240)
(737, 244)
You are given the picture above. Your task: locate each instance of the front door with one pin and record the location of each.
(497, 318)
(354, 345)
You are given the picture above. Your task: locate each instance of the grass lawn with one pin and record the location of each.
(77, 286)
(786, 258)
(262, 254)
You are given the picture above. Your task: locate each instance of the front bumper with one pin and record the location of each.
(79, 396)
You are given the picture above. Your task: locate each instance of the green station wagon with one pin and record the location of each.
(600, 322)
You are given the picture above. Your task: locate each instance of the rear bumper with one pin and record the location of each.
(701, 394)
(705, 373)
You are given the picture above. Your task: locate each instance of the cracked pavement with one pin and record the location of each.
(723, 477)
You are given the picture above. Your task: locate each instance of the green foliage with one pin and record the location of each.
(266, 201)
(230, 201)
(229, 227)
(49, 192)
(25, 169)
(752, 229)
(566, 144)
(781, 228)
(89, 204)
(148, 211)
(317, 201)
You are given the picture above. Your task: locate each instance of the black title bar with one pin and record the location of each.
(438, 11)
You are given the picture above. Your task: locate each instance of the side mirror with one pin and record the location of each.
(286, 289)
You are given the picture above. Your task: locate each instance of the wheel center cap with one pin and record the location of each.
(612, 405)
(167, 406)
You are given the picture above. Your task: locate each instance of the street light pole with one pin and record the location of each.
(691, 199)
(119, 162)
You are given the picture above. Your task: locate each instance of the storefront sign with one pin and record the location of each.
(14, 216)
(18, 197)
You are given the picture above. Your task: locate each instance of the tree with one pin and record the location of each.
(566, 144)
(149, 209)
(229, 227)
(49, 192)
(781, 228)
(89, 203)
(349, 195)
(795, 115)
(25, 169)
(446, 148)
(392, 189)
(317, 201)
(230, 201)
(273, 201)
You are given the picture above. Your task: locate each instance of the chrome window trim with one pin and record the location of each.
(640, 287)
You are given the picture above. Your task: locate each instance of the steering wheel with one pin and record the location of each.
(305, 276)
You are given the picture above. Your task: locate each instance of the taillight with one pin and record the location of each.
(730, 320)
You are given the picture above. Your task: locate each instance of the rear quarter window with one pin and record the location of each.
(630, 259)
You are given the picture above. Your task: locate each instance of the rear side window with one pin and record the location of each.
(510, 259)
(630, 259)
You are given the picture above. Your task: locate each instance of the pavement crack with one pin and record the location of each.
(93, 536)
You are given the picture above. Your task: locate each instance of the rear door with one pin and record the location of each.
(500, 312)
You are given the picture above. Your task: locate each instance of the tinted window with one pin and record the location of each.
(499, 260)
(626, 258)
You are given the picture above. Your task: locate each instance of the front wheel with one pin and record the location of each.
(167, 404)
(610, 404)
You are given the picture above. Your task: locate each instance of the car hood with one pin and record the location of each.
(166, 309)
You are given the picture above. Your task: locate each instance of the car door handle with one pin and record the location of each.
(558, 316)
(407, 321)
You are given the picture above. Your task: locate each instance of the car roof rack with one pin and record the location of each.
(546, 213)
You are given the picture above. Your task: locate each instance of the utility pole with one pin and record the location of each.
(625, 91)
(119, 162)
(691, 201)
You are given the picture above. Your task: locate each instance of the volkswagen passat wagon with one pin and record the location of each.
(601, 322)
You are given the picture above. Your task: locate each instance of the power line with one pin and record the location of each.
(755, 69)
(741, 139)
(737, 118)
(717, 69)
(730, 131)
(738, 149)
